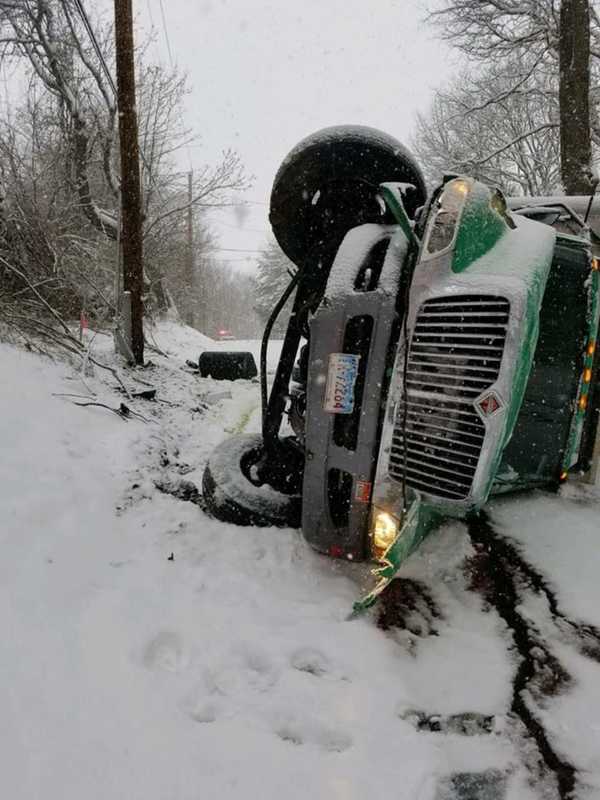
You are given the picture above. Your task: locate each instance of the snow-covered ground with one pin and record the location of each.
(152, 653)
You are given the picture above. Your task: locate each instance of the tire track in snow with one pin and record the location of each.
(499, 572)
(584, 636)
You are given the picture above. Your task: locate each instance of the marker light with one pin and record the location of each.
(564, 475)
(587, 375)
(595, 264)
(591, 348)
(385, 531)
(583, 402)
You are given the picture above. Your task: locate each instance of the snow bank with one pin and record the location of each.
(177, 339)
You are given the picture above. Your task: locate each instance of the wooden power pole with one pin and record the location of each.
(131, 215)
(574, 96)
(190, 254)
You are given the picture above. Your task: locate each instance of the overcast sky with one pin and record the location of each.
(265, 74)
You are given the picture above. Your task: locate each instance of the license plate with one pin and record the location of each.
(341, 378)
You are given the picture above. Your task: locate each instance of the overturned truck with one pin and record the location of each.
(440, 349)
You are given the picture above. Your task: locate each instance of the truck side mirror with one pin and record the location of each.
(393, 197)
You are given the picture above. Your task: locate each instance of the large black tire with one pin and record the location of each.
(328, 184)
(231, 497)
(227, 366)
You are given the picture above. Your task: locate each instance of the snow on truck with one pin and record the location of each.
(440, 350)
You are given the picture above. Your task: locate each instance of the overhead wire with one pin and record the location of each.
(239, 250)
(92, 36)
(166, 31)
(97, 49)
(182, 120)
(172, 62)
(150, 15)
(94, 41)
(241, 228)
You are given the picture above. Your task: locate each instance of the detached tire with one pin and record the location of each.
(227, 366)
(231, 497)
(328, 184)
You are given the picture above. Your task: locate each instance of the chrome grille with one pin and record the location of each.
(454, 355)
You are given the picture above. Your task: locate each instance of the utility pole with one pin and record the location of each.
(131, 215)
(190, 253)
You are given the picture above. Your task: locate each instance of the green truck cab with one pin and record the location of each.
(495, 382)
(441, 348)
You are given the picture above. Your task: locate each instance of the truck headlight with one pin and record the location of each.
(449, 207)
(384, 533)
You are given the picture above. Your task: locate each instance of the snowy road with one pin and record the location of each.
(150, 652)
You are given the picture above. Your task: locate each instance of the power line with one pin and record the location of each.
(241, 228)
(172, 62)
(238, 250)
(148, 6)
(166, 31)
(233, 260)
(95, 45)
(92, 36)
(109, 78)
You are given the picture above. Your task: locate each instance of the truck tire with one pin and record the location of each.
(328, 184)
(231, 497)
(227, 366)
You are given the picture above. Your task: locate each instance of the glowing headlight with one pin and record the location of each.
(385, 531)
(459, 187)
(450, 205)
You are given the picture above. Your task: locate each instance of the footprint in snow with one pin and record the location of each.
(297, 730)
(226, 687)
(311, 660)
(204, 712)
(166, 651)
(202, 708)
(247, 668)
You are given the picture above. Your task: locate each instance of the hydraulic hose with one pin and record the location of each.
(265, 342)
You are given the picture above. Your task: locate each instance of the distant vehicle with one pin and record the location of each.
(223, 335)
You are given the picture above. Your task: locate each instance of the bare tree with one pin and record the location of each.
(231, 300)
(486, 124)
(45, 244)
(536, 34)
(162, 93)
(59, 168)
(274, 273)
(493, 29)
(49, 35)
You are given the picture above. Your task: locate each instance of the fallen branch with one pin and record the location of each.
(116, 411)
(68, 394)
(139, 380)
(123, 411)
(113, 372)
